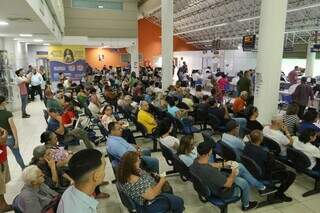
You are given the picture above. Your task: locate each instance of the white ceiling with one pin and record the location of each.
(21, 19)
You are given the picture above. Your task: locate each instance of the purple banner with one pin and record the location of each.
(73, 70)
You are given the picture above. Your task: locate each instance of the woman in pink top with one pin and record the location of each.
(223, 83)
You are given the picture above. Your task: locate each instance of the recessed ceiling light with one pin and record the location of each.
(100, 6)
(25, 35)
(3, 23)
(46, 44)
(38, 40)
(16, 39)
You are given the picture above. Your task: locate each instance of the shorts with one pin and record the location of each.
(4, 177)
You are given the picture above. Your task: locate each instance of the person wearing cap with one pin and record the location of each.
(64, 135)
(7, 123)
(22, 82)
(278, 132)
(240, 103)
(231, 138)
(302, 95)
(220, 183)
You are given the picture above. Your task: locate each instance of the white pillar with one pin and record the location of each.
(167, 42)
(270, 51)
(311, 60)
(134, 54)
(21, 52)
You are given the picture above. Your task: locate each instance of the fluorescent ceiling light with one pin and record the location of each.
(249, 19)
(100, 6)
(15, 39)
(25, 35)
(46, 44)
(38, 40)
(3, 23)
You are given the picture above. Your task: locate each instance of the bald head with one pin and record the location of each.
(244, 94)
(277, 121)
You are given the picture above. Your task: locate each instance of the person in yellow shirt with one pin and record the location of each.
(146, 118)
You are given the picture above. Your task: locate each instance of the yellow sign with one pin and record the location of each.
(67, 53)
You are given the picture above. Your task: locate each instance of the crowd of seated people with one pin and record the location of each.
(125, 99)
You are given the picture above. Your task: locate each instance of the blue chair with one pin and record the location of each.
(205, 195)
(301, 162)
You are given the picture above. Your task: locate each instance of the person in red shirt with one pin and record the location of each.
(240, 103)
(4, 171)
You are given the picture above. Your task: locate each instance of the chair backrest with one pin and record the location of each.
(252, 167)
(112, 158)
(273, 146)
(87, 112)
(213, 121)
(201, 114)
(167, 154)
(299, 160)
(182, 168)
(125, 200)
(227, 152)
(202, 189)
(209, 139)
(46, 115)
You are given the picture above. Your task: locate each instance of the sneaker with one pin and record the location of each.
(267, 191)
(252, 205)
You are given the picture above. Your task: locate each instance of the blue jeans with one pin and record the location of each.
(245, 190)
(242, 122)
(16, 152)
(24, 102)
(161, 205)
(151, 163)
(245, 174)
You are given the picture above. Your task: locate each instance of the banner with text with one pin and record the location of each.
(68, 59)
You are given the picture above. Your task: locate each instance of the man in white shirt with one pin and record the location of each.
(36, 82)
(87, 169)
(278, 132)
(305, 144)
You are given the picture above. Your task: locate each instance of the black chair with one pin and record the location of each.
(125, 200)
(301, 162)
(256, 171)
(169, 157)
(271, 145)
(144, 133)
(182, 168)
(185, 126)
(205, 195)
(216, 123)
(46, 115)
(227, 152)
(201, 117)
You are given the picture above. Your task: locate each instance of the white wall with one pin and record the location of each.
(32, 53)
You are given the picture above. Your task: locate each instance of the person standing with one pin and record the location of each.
(22, 82)
(4, 172)
(36, 82)
(244, 84)
(7, 123)
(293, 76)
(301, 96)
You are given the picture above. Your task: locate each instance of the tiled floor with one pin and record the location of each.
(29, 131)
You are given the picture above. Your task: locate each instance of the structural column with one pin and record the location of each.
(134, 54)
(270, 51)
(311, 60)
(167, 42)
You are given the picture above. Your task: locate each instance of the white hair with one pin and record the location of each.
(277, 117)
(29, 174)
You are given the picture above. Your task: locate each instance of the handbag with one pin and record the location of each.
(166, 188)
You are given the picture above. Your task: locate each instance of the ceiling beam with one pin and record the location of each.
(148, 7)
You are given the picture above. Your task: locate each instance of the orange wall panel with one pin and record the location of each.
(150, 41)
(111, 58)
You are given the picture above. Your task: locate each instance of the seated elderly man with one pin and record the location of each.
(278, 132)
(118, 146)
(240, 103)
(94, 106)
(146, 118)
(34, 195)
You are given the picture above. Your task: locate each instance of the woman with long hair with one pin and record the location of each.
(142, 188)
